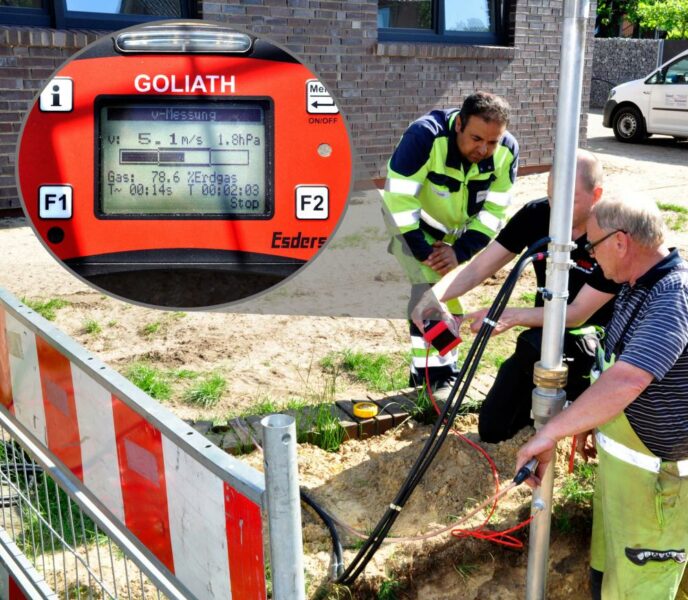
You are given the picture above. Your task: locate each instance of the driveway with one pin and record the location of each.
(658, 166)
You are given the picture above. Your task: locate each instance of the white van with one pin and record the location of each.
(655, 104)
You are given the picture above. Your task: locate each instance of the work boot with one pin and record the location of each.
(441, 391)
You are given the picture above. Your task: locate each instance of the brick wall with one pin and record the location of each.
(381, 87)
(618, 60)
(28, 56)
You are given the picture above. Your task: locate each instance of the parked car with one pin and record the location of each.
(657, 103)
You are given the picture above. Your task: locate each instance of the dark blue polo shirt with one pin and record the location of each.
(649, 329)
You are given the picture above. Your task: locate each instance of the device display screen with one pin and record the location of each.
(184, 159)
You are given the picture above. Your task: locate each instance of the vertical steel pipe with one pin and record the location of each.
(547, 402)
(284, 507)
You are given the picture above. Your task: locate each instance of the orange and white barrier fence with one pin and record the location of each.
(196, 509)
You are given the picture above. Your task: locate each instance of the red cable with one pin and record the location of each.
(479, 532)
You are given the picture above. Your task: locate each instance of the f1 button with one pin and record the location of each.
(55, 202)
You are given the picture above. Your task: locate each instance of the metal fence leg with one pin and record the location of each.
(284, 507)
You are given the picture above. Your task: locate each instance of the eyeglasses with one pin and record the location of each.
(590, 246)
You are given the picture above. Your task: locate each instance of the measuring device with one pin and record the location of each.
(183, 161)
(438, 335)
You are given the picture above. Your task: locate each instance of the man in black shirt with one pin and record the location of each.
(507, 406)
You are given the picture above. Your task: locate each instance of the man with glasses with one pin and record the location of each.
(639, 407)
(506, 408)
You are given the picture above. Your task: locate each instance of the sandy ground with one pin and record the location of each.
(277, 357)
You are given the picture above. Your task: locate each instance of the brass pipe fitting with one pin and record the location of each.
(550, 378)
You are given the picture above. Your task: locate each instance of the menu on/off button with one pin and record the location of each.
(318, 99)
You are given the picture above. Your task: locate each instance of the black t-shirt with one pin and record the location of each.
(531, 224)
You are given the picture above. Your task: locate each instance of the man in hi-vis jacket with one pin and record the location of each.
(447, 192)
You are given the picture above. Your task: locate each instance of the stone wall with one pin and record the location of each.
(380, 86)
(618, 60)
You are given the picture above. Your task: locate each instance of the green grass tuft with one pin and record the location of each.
(671, 207)
(150, 380)
(579, 486)
(184, 374)
(92, 327)
(46, 308)
(207, 392)
(295, 404)
(676, 218)
(151, 328)
(388, 590)
(265, 406)
(380, 372)
(328, 434)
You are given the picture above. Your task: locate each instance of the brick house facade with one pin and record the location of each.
(381, 86)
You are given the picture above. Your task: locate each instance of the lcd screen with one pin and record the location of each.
(184, 159)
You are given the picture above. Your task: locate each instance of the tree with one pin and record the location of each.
(669, 15)
(610, 16)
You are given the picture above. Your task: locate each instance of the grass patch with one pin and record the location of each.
(572, 509)
(424, 410)
(151, 328)
(327, 432)
(470, 406)
(676, 218)
(265, 406)
(579, 486)
(528, 298)
(46, 308)
(92, 327)
(671, 207)
(206, 393)
(151, 380)
(388, 589)
(380, 372)
(54, 506)
(678, 223)
(182, 374)
(295, 404)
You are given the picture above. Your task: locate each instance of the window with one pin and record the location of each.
(445, 21)
(677, 73)
(90, 14)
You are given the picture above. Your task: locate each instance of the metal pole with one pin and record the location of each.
(284, 507)
(550, 373)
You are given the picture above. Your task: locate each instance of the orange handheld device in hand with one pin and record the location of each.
(440, 337)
